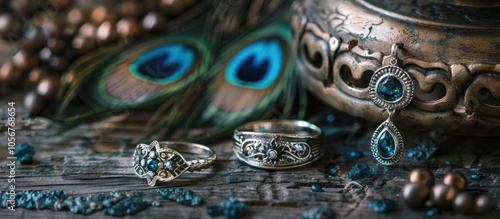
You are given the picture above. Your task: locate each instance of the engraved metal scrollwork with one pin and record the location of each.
(456, 89)
(275, 151)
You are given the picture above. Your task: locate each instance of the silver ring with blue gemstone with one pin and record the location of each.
(161, 161)
(278, 144)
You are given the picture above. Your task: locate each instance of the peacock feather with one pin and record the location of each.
(208, 78)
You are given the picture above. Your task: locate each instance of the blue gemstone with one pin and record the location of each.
(386, 146)
(355, 154)
(390, 89)
(432, 212)
(360, 171)
(152, 165)
(318, 213)
(316, 188)
(24, 152)
(333, 171)
(381, 205)
(476, 176)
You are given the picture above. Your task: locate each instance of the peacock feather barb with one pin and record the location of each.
(200, 79)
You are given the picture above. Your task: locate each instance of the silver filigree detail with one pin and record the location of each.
(405, 80)
(275, 151)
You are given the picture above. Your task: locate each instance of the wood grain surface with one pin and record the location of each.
(95, 158)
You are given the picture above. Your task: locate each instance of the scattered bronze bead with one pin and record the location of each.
(153, 21)
(76, 17)
(10, 28)
(106, 32)
(34, 102)
(23, 7)
(56, 45)
(484, 204)
(61, 4)
(45, 54)
(25, 60)
(83, 44)
(98, 15)
(87, 30)
(414, 195)
(128, 27)
(443, 196)
(421, 175)
(456, 180)
(10, 74)
(464, 203)
(59, 62)
(48, 87)
(132, 9)
(37, 74)
(55, 26)
(34, 39)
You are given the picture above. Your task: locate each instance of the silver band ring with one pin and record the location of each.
(278, 144)
(161, 161)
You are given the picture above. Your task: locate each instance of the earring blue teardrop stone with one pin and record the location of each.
(386, 146)
(390, 89)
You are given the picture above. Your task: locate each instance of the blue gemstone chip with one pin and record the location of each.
(390, 89)
(316, 188)
(24, 152)
(360, 171)
(381, 205)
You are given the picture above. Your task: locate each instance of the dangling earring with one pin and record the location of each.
(391, 88)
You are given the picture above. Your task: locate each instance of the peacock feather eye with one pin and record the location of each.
(250, 76)
(147, 72)
(257, 65)
(165, 64)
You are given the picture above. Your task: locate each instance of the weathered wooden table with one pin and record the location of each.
(101, 162)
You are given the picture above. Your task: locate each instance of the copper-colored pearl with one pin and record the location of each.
(443, 195)
(464, 203)
(34, 103)
(421, 175)
(106, 32)
(128, 27)
(10, 27)
(456, 180)
(48, 87)
(153, 21)
(37, 74)
(414, 195)
(484, 204)
(10, 74)
(25, 60)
